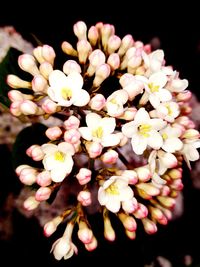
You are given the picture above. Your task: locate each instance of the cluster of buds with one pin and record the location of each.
(124, 133)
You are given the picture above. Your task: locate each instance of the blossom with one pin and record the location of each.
(143, 131)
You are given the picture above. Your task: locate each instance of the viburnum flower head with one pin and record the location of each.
(119, 133)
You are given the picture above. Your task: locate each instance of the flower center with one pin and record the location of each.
(66, 93)
(169, 110)
(164, 136)
(144, 129)
(112, 189)
(59, 156)
(98, 132)
(153, 88)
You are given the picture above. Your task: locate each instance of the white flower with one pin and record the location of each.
(171, 142)
(154, 61)
(58, 160)
(113, 192)
(115, 102)
(67, 90)
(144, 131)
(100, 130)
(190, 152)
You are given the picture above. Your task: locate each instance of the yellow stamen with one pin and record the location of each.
(66, 93)
(113, 101)
(98, 132)
(144, 129)
(164, 136)
(169, 110)
(59, 156)
(153, 88)
(112, 189)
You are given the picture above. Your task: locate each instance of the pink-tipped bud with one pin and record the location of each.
(31, 203)
(84, 176)
(15, 108)
(129, 114)
(113, 44)
(94, 149)
(15, 96)
(44, 178)
(143, 173)
(51, 226)
(72, 136)
(84, 48)
(28, 175)
(53, 133)
(130, 205)
(15, 82)
(43, 193)
(149, 226)
(110, 157)
(80, 30)
(165, 190)
(168, 202)
(97, 102)
(37, 52)
(130, 175)
(71, 66)
(113, 61)
(184, 96)
(84, 197)
(49, 106)
(48, 54)
(175, 173)
(92, 245)
(126, 43)
(149, 188)
(147, 48)
(39, 84)
(106, 31)
(177, 184)
(128, 222)
(102, 72)
(191, 134)
(167, 159)
(45, 69)
(84, 233)
(68, 49)
(109, 233)
(72, 123)
(27, 63)
(28, 107)
(21, 167)
(130, 235)
(96, 58)
(141, 211)
(35, 152)
(93, 35)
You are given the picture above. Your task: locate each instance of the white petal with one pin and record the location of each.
(164, 95)
(155, 140)
(179, 85)
(57, 78)
(66, 148)
(154, 100)
(142, 116)
(193, 154)
(49, 162)
(82, 99)
(102, 196)
(85, 133)
(158, 78)
(139, 144)
(93, 120)
(74, 81)
(157, 124)
(108, 125)
(126, 194)
(110, 140)
(172, 144)
(129, 129)
(49, 148)
(113, 204)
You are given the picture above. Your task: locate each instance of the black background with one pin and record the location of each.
(177, 25)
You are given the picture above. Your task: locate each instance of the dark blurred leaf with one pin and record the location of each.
(34, 134)
(9, 65)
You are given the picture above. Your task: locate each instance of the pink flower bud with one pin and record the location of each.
(93, 35)
(49, 106)
(72, 136)
(37, 52)
(31, 203)
(149, 188)
(15, 96)
(21, 167)
(27, 63)
(102, 72)
(28, 176)
(130, 206)
(94, 149)
(130, 175)
(143, 173)
(147, 48)
(71, 66)
(97, 102)
(45, 69)
(126, 43)
(50, 227)
(113, 61)
(84, 197)
(44, 178)
(84, 233)
(130, 235)
(15, 82)
(72, 123)
(80, 30)
(110, 157)
(35, 152)
(109, 233)
(113, 44)
(175, 173)
(149, 226)
(168, 202)
(28, 107)
(39, 84)
(129, 114)
(184, 96)
(48, 53)
(68, 49)
(84, 48)
(84, 176)
(128, 222)
(96, 58)
(43, 193)
(53, 133)
(15, 108)
(141, 211)
(92, 245)
(106, 31)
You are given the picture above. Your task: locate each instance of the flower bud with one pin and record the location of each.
(51, 226)
(15, 82)
(43, 193)
(45, 69)
(27, 63)
(72, 123)
(84, 48)
(149, 226)
(53, 133)
(39, 84)
(110, 157)
(28, 107)
(102, 72)
(93, 35)
(113, 61)
(72, 136)
(80, 30)
(97, 102)
(48, 54)
(31, 203)
(44, 178)
(109, 233)
(113, 44)
(84, 176)
(71, 66)
(68, 49)
(84, 233)
(92, 245)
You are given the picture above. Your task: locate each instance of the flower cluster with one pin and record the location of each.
(123, 136)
